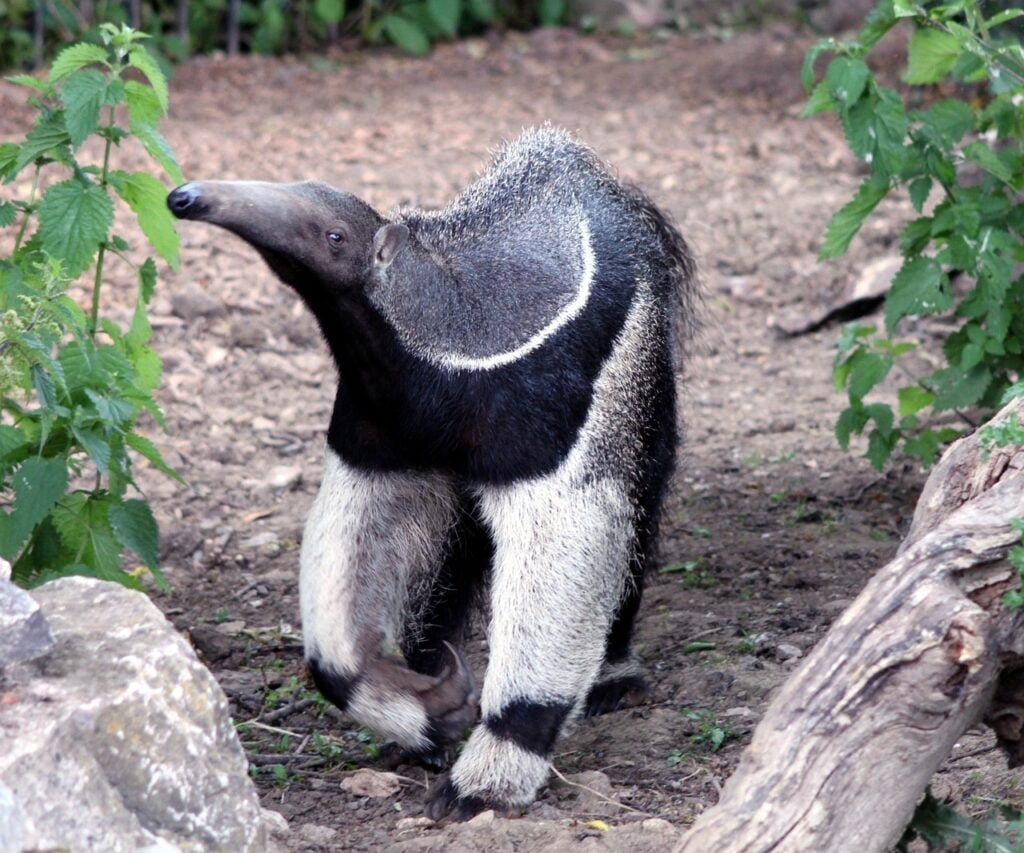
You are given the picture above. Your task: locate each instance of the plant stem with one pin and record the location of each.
(28, 210)
(94, 316)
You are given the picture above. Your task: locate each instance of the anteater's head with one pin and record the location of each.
(316, 238)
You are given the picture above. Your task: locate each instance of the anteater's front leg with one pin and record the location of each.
(373, 544)
(562, 546)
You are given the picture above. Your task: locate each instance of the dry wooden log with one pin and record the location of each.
(848, 745)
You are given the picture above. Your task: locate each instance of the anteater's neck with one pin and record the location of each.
(366, 352)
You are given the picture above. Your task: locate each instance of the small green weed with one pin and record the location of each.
(691, 573)
(710, 732)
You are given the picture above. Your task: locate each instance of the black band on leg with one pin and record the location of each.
(534, 726)
(333, 685)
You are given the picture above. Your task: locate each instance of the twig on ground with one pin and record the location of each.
(263, 759)
(597, 794)
(287, 710)
(255, 722)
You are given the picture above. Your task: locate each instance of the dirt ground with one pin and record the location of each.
(770, 530)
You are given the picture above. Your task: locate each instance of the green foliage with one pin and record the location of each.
(1014, 599)
(74, 385)
(961, 162)
(940, 826)
(709, 731)
(264, 26)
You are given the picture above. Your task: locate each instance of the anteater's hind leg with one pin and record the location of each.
(373, 541)
(621, 682)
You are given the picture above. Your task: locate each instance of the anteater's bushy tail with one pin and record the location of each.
(682, 280)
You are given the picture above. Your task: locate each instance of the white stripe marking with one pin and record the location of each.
(569, 312)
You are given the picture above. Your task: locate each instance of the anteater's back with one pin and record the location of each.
(543, 230)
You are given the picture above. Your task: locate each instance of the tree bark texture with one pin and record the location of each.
(848, 745)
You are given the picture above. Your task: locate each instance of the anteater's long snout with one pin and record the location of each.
(187, 201)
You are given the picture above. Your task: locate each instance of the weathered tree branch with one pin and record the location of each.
(847, 747)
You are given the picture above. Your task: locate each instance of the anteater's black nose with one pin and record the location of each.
(186, 202)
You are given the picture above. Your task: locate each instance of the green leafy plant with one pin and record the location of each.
(939, 826)
(961, 162)
(262, 26)
(74, 385)
(709, 731)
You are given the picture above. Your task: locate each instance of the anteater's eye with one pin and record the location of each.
(336, 238)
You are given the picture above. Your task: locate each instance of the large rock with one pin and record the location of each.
(24, 633)
(119, 738)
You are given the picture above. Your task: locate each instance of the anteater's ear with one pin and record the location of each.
(388, 242)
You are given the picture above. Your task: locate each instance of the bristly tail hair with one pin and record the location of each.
(683, 279)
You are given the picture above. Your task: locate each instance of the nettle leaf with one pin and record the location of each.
(47, 134)
(83, 524)
(867, 369)
(931, 55)
(446, 14)
(140, 331)
(38, 484)
(848, 220)
(807, 69)
(79, 366)
(27, 80)
(147, 197)
(160, 150)
(13, 444)
(989, 160)
(920, 287)
(912, 399)
(8, 214)
(145, 448)
(95, 444)
(880, 447)
(946, 122)
(8, 157)
(925, 445)
(143, 103)
(879, 21)
(876, 129)
(919, 190)
(74, 219)
(77, 56)
(148, 369)
(136, 529)
(42, 381)
(147, 280)
(859, 127)
(83, 95)
(1003, 17)
(890, 125)
(140, 58)
(846, 79)
(851, 421)
(957, 389)
(820, 101)
(112, 410)
(406, 34)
